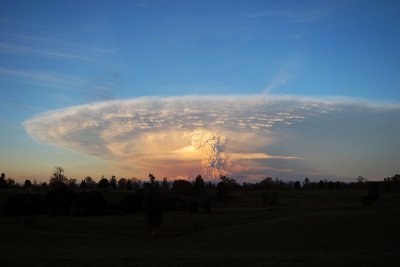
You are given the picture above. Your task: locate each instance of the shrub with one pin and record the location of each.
(24, 204)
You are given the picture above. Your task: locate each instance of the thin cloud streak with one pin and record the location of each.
(55, 82)
(304, 15)
(67, 44)
(7, 48)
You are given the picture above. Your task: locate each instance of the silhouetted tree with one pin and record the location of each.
(266, 183)
(153, 208)
(82, 186)
(222, 191)
(129, 185)
(182, 187)
(27, 183)
(361, 179)
(164, 184)
(3, 181)
(113, 182)
(392, 184)
(122, 183)
(199, 185)
(72, 184)
(297, 185)
(58, 178)
(10, 182)
(103, 183)
(90, 183)
(135, 184)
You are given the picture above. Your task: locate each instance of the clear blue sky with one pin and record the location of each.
(56, 54)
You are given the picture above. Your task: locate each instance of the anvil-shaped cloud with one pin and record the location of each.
(248, 136)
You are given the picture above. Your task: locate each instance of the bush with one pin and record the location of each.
(88, 204)
(133, 202)
(182, 187)
(153, 208)
(24, 204)
(59, 200)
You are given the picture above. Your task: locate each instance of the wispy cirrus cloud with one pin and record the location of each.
(8, 48)
(57, 41)
(302, 15)
(103, 88)
(242, 136)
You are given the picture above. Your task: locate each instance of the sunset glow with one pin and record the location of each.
(247, 89)
(240, 136)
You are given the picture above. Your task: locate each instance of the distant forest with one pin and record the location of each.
(108, 196)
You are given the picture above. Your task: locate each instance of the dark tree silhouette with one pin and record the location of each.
(297, 185)
(27, 183)
(122, 183)
(321, 184)
(222, 190)
(306, 183)
(3, 181)
(58, 178)
(103, 183)
(72, 184)
(82, 186)
(182, 187)
(199, 185)
(152, 179)
(129, 186)
(153, 206)
(90, 183)
(10, 182)
(164, 184)
(113, 182)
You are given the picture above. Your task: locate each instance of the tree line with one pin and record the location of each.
(64, 196)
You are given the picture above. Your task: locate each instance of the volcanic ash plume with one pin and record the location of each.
(210, 144)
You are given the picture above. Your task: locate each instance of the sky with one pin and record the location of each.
(248, 89)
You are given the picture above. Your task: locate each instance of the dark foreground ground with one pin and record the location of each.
(306, 228)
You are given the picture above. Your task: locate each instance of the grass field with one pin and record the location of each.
(305, 228)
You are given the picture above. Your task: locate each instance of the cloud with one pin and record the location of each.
(302, 14)
(243, 136)
(280, 79)
(7, 48)
(103, 87)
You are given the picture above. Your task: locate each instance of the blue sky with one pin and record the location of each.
(57, 54)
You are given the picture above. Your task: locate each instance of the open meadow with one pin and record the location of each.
(304, 228)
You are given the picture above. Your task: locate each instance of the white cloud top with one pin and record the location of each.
(247, 136)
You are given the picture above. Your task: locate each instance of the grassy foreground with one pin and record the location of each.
(306, 228)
